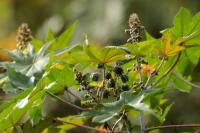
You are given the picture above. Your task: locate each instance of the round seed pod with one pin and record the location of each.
(108, 76)
(124, 78)
(125, 87)
(111, 83)
(106, 94)
(94, 77)
(100, 66)
(118, 70)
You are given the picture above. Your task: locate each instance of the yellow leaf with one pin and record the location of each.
(66, 126)
(58, 66)
(169, 48)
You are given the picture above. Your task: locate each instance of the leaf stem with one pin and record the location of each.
(139, 69)
(71, 93)
(142, 124)
(154, 73)
(81, 126)
(172, 126)
(85, 126)
(104, 76)
(167, 72)
(113, 128)
(187, 82)
(66, 102)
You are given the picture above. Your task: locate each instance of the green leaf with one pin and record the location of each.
(104, 117)
(90, 51)
(165, 112)
(145, 48)
(35, 115)
(180, 85)
(64, 39)
(111, 54)
(194, 32)
(19, 58)
(182, 22)
(37, 44)
(193, 54)
(15, 111)
(18, 79)
(15, 99)
(65, 76)
(40, 60)
(50, 36)
(109, 110)
(67, 127)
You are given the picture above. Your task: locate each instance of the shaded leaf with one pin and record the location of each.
(182, 22)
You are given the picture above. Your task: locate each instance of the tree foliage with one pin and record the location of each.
(122, 89)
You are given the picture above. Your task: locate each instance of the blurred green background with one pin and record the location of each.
(104, 21)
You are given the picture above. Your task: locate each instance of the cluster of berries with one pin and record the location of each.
(124, 77)
(89, 90)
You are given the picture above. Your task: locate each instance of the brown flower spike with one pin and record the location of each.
(135, 29)
(23, 37)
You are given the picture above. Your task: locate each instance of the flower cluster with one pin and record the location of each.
(23, 37)
(135, 29)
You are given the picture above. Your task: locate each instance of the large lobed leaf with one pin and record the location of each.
(108, 110)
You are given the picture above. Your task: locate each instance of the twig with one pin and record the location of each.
(113, 128)
(187, 82)
(71, 93)
(171, 126)
(154, 73)
(127, 127)
(102, 90)
(85, 126)
(167, 72)
(139, 69)
(142, 124)
(66, 102)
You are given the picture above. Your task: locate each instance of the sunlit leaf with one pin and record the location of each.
(182, 23)
(64, 39)
(170, 49)
(109, 110)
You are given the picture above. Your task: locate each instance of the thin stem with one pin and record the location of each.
(167, 72)
(113, 128)
(187, 82)
(85, 126)
(172, 126)
(142, 124)
(104, 76)
(66, 102)
(71, 93)
(127, 127)
(154, 73)
(81, 126)
(139, 69)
